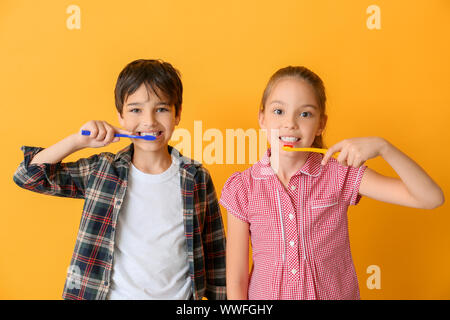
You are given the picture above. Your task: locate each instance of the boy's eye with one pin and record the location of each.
(135, 110)
(162, 109)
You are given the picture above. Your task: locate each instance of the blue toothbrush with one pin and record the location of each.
(120, 135)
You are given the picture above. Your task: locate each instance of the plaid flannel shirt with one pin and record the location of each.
(101, 180)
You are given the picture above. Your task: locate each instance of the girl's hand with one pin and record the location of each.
(355, 151)
(102, 134)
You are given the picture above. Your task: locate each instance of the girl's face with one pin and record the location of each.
(292, 115)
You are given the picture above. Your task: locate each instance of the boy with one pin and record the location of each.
(151, 226)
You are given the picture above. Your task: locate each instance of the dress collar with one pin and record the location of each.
(263, 170)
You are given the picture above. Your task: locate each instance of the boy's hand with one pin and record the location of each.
(355, 151)
(102, 134)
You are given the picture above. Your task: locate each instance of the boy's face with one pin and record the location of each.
(145, 113)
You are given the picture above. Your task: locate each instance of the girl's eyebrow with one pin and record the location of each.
(303, 106)
(277, 102)
(309, 105)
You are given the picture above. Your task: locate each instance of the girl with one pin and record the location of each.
(294, 204)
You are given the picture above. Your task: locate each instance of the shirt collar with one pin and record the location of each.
(263, 170)
(125, 156)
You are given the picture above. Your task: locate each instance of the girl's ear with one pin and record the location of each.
(323, 123)
(261, 118)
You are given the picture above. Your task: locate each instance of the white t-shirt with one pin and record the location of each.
(150, 254)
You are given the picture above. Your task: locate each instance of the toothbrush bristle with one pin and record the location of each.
(149, 138)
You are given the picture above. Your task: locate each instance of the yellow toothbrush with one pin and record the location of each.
(319, 150)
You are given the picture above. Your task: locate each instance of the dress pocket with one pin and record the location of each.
(325, 213)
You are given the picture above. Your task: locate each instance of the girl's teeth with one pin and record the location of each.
(289, 139)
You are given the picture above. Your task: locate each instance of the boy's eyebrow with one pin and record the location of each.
(141, 103)
(134, 103)
(162, 103)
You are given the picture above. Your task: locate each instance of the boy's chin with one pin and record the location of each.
(150, 146)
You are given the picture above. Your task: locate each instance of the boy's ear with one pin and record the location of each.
(119, 115)
(178, 117)
(323, 123)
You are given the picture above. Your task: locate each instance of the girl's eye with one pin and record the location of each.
(135, 110)
(162, 109)
(278, 111)
(305, 114)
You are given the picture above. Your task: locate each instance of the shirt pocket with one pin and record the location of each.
(325, 213)
(265, 229)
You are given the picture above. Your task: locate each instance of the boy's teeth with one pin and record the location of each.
(289, 139)
(149, 133)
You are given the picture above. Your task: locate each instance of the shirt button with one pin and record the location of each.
(293, 187)
(292, 243)
(291, 216)
(294, 271)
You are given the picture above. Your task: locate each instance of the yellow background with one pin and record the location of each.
(392, 82)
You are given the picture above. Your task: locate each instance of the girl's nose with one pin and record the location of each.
(290, 122)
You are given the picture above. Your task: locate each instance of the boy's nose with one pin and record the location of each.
(149, 120)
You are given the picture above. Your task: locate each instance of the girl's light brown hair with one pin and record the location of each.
(310, 77)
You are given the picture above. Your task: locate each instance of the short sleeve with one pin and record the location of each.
(351, 181)
(234, 197)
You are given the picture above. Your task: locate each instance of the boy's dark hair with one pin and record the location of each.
(156, 74)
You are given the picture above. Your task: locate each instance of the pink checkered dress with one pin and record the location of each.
(299, 234)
